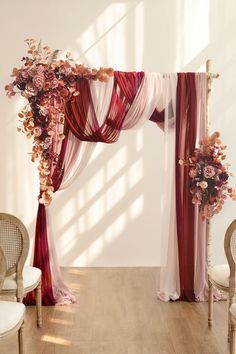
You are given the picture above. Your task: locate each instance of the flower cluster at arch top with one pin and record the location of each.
(47, 83)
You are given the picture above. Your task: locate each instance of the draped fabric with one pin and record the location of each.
(169, 276)
(42, 260)
(81, 116)
(129, 100)
(185, 144)
(190, 126)
(98, 114)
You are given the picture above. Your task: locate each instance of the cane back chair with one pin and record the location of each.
(222, 276)
(19, 279)
(11, 313)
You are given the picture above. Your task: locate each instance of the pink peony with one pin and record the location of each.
(209, 171)
(38, 81)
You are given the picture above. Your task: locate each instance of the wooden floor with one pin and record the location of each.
(118, 313)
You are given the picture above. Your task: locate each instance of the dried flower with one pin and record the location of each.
(208, 176)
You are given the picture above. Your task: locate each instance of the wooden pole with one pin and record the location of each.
(210, 77)
(208, 226)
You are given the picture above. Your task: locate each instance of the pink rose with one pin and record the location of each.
(38, 81)
(209, 171)
(193, 173)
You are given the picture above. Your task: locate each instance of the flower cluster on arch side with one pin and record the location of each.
(209, 176)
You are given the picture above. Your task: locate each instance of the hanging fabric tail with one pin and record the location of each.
(41, 260)
(185, 144)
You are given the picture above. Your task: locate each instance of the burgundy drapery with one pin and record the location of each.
(41, 249)
(185, 144)
(126, 85)
(125, 88)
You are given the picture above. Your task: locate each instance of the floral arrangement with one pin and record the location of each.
(209, 176)
(47, 83)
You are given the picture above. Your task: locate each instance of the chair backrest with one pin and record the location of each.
(3, 267)
(230, 250)
(14, 241)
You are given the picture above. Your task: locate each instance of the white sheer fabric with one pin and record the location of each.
(61, 292)
(169, 288)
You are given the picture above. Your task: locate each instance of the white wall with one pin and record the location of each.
(111, 216)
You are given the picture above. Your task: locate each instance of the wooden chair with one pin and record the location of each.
(20, 279)
(223, 276)
(233, 328)
(11, 313)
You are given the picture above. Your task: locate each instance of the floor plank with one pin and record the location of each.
(117, 312)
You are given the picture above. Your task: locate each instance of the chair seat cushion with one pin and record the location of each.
(11, 314)
(220, 274)
(31, 276)
(233, 310)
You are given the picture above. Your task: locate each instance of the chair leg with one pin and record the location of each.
(231, 325)
(20, 339)
(39, 305)
(210, 303)
(233, 338)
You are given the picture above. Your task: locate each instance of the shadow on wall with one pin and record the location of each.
(111, 215)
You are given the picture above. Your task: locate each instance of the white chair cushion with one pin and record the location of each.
(233, 310)
(220, 274)
(11, 314)
(31, 276)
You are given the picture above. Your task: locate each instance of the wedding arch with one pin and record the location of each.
(71, 108)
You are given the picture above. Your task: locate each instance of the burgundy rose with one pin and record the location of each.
(71, 78)
(64, 92)
(50, 75)
(223, 176)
